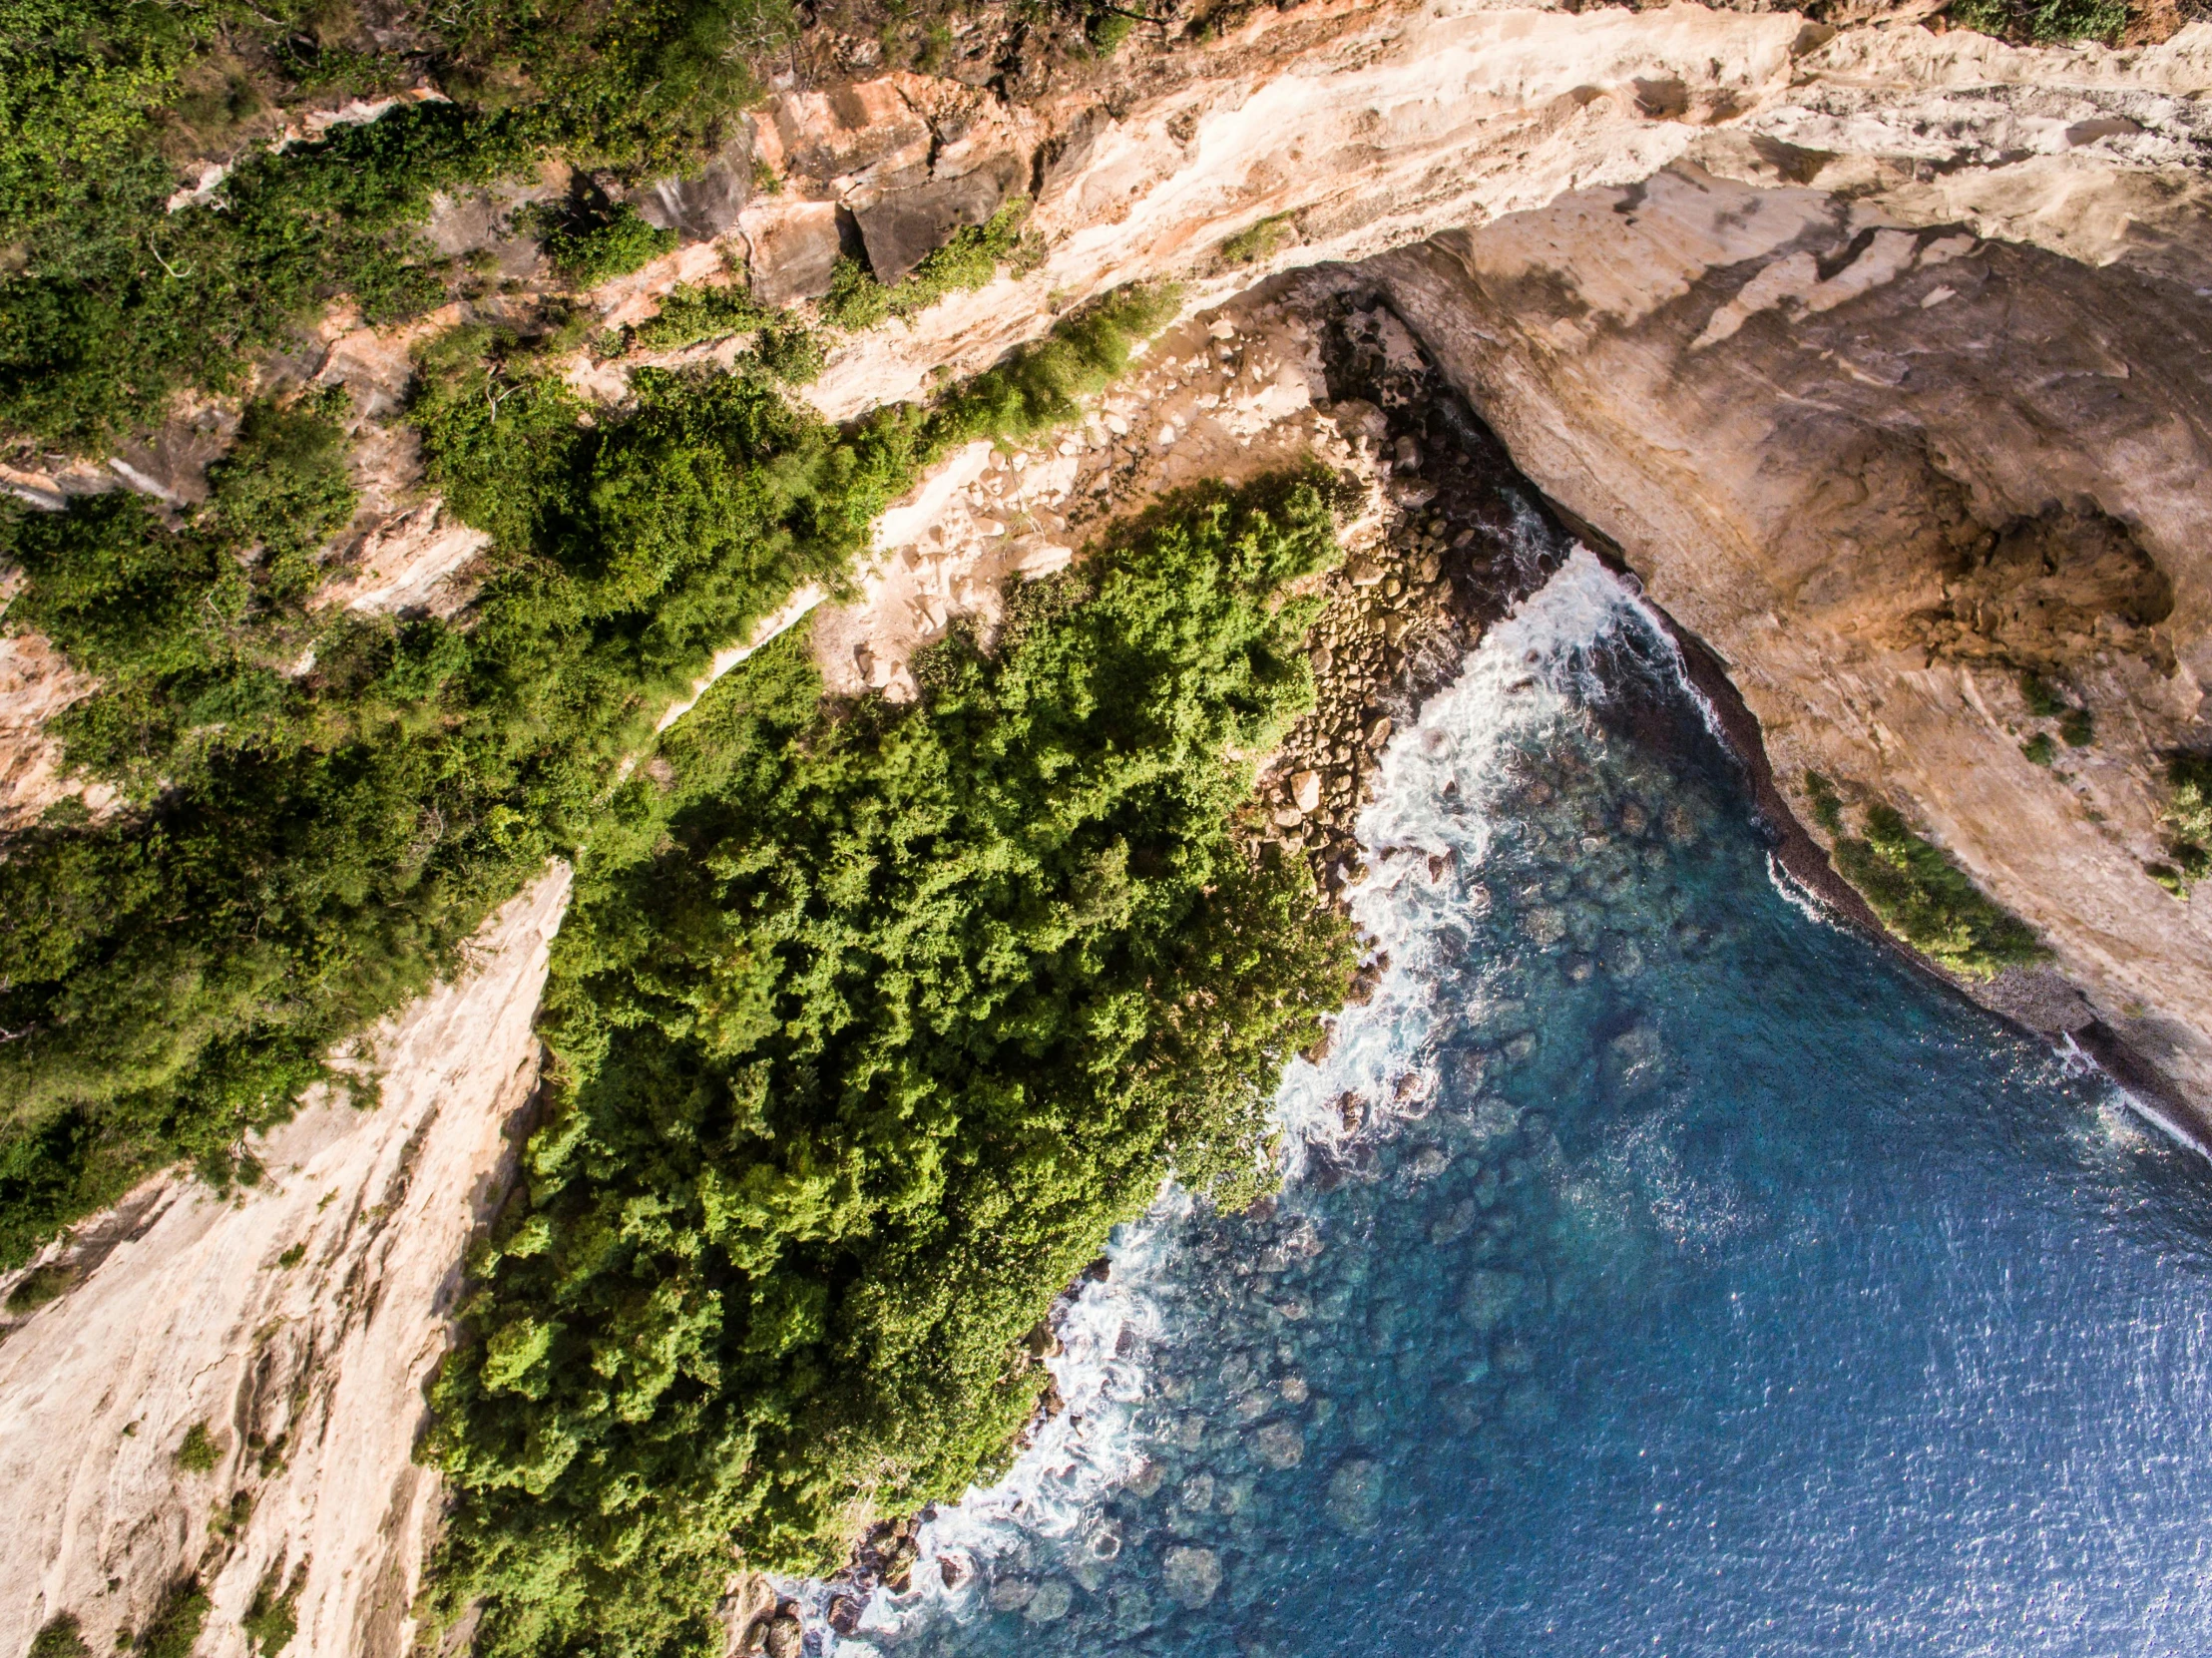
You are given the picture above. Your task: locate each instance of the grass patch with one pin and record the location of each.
(1262, 241)
(306, 850)
(1929, 902)
(1038, 385)
(39, 1287)
(198, 1453)
(870, 1023)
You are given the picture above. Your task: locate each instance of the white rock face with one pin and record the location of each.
(1804, 420)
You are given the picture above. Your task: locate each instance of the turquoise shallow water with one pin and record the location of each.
(1696, 1281)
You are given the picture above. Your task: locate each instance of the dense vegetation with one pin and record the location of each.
(869, 1022)
(1920, 894)
(322, 806)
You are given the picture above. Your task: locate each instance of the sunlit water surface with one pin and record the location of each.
(1730, 1292)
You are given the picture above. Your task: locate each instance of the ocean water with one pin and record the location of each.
(1691, 1280)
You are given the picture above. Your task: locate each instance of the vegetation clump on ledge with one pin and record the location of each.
(1919, 894)
(2188, 822)
(869, 1024)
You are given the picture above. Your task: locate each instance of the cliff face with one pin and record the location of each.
(1881, 355)
(1882, 468)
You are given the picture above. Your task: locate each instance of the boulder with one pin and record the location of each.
(1355, 1498)
(1489, 1294)
(1280, 1445)
(705, 205)
(793, 249)
(1051, 1603)
(786, 1637)
(904, 225)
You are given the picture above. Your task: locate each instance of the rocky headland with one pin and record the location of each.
(1876, 349)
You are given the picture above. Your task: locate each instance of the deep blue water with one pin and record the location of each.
(1716, 1288)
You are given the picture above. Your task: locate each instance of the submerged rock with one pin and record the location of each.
(1489, 1294)
(1355, 1495)
(1192, 1576)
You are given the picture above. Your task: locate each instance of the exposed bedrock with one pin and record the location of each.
(1883, 468)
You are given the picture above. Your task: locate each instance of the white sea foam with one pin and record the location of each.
(1536, 667)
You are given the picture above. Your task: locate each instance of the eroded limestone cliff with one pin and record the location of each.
(1879, 354)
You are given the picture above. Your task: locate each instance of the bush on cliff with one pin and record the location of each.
(1929, 902)
(870, 1023)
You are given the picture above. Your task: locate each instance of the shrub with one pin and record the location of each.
(2039, 749)
(273, 1619)
(1929, 902)
(61, 1637)
(2044, 21)
(199, 1452)
(2042, 701)
(1827, 807)
(870, 1024)
(2188, 821)
(856, 300)
(175, 1628)
(2077, 728)
(594, 248)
